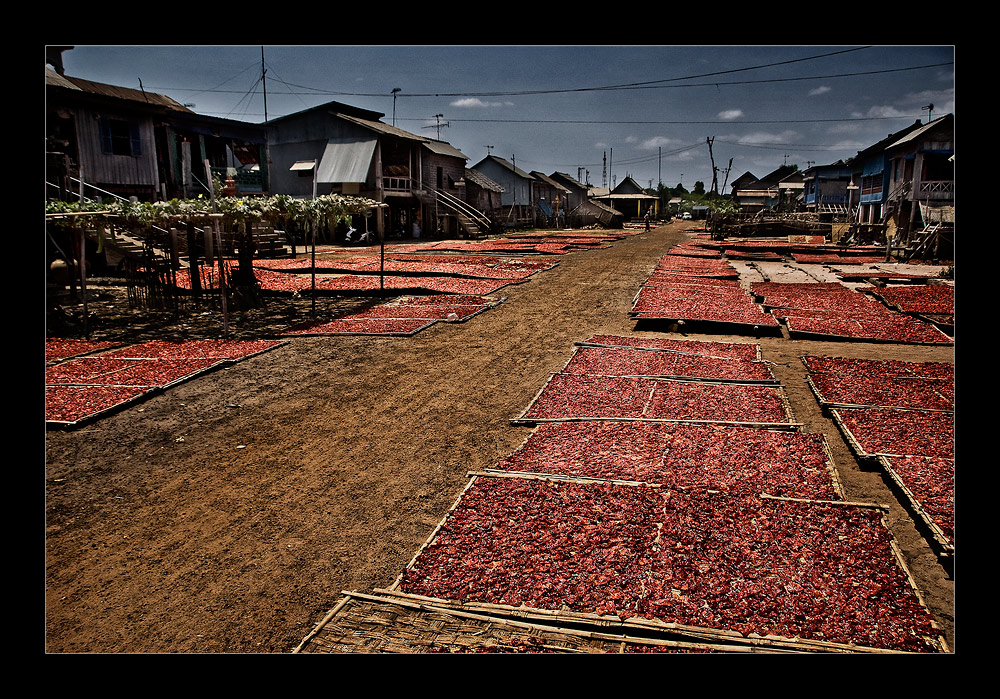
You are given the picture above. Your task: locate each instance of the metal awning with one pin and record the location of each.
(302, 165)
(346, 161)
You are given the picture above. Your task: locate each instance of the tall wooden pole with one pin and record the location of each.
(83, 279)
(218, 253)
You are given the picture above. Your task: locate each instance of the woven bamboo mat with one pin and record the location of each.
(397, 623)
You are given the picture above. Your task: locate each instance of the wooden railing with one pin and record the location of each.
(396, 184)
(937, 189)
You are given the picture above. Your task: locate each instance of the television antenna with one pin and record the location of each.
(438, 125)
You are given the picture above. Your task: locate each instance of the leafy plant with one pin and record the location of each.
(332, 208)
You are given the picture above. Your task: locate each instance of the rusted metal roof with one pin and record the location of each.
(541, 177)
(482, 181)
(445, 148)
(125, 93)
(382, 128)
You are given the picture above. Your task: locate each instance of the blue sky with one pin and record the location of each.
(599, 113)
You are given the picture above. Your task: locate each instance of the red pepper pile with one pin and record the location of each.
(926, 389)
(440, 285)
(583, 396)
(748, 351)
(270, 280)
(878, 368)
(233, 350)
(702, 304)
(734, 459)
(72, 403)
(111, 371)
(931, 480)
(612, 382)
(932, 299)
(898, 432)
(84, 386)
(611, 361)
(688, 285)
(832, 258)
(401, 317)
(787, 568)
(56, 349)
(829, 308)
(483, 267)
(894, 392)
(916, 445)
(696, 266)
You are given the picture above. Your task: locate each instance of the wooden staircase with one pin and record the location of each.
(471, 221)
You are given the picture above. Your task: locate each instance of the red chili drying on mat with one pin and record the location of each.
(906, 392)
(736, 459)
(901, 432)
(932, 482)
(73, 403)
(787, 568)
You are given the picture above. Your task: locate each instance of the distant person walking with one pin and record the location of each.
(646, 217)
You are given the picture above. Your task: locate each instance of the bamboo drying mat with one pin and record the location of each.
(394, 622)
(939, 540)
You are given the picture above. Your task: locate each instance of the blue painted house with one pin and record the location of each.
(826, 188)
(872, 173)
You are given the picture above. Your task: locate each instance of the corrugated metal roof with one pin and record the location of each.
(916, 133)
(125, 93)
(506, 164)
(482, 181)
(549, 181)
(379, 127)
(345, 161)
(567, 179)
(444, 148)
(629, 196)
(53, 78)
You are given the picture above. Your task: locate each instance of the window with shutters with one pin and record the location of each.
(120, 137)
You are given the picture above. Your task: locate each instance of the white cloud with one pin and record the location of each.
(728, 114)
(821, 90)
(656, 142)
(943, 101)
(764, 137)
(475, 102)
(887, 111)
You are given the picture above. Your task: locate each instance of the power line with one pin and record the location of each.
(672, 121)
(632, 86)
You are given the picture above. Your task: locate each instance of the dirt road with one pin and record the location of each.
(227, 514)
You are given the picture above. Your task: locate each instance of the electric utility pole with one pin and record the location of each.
(263, 81)
(715, 172)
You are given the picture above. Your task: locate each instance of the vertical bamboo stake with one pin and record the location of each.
(312, 224)
(193, 271)
(381, 237)
(218, 240)
(83, 279)
(175, 263)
